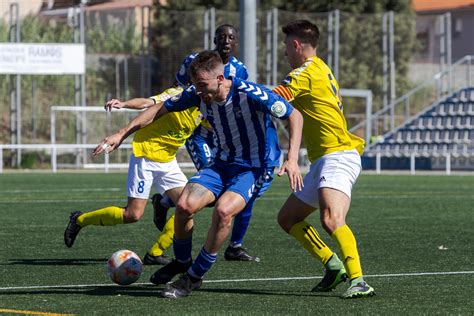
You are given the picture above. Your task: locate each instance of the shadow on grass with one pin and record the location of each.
(154, 291)
(56, 262)
(266, 292)
(107, 290)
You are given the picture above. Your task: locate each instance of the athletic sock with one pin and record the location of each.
(182, 249)
(165, 239)
(347, 244)
(334, 263)
(356, 280)
(311, 241)
(166, 202)
(202, 264)
(108, 216)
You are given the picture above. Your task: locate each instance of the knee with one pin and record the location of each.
(331, 220)
(224, 215)
(184, 209)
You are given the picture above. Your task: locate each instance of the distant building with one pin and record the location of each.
(61, 8)
(101, 10)
(462, 26)
(26, 7)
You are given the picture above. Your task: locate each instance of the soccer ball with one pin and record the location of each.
(124, 267)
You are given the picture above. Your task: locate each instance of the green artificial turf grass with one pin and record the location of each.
(418, 225)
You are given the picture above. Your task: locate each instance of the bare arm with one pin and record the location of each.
(143, 103)
(290, 166)
(136, 104)
(143, 119)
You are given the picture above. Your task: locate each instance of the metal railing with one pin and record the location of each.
(401, 110)
(412, 155)
(54, 148)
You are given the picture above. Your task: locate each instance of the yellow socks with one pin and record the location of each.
(311, 241)
(343, 236)
(347, 244)
(108, 216)
(165, 239)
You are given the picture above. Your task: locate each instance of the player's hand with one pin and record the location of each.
(114, 104)
(294, 174)
(108, 144)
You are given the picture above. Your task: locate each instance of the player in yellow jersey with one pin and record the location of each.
(153, 163)
(335, 162)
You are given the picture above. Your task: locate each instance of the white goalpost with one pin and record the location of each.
(99, 123)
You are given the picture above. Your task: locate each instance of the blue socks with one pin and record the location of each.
(202, 264)
(182, 249)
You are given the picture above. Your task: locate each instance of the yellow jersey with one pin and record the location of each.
(313, 90)
(160, 140)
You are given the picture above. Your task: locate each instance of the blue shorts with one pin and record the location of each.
(248, 182)
(266, 181)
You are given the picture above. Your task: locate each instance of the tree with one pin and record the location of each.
(43, 91)
(360, 61)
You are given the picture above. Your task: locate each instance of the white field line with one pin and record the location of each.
(62, 190)
(390, 275)
(57, 201)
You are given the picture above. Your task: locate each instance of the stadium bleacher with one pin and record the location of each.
(446, 128)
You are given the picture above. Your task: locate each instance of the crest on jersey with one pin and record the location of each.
(287, 80)
(278, 109)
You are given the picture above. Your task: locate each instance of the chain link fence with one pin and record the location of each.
(134, 52)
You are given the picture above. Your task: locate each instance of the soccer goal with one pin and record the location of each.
(75, 131)
(82, 128)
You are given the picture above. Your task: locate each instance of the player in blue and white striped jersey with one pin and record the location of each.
(244, 137)
(240, 114)
(201, 145)
(226, 38)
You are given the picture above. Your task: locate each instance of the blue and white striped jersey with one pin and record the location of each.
(234, 68)
(242, 123)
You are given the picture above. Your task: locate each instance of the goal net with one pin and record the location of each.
(85, 127)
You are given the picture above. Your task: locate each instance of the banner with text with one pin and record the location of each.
(42, 59)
